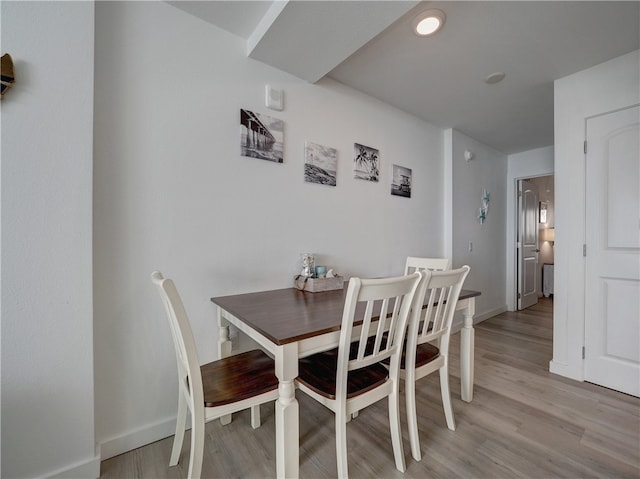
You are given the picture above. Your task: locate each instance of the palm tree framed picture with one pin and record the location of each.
(366, 163)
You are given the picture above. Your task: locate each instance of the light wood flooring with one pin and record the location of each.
(523, 422)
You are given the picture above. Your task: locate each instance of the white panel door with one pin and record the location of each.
(612, 295)
(527, 245)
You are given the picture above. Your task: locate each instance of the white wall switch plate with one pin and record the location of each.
(274, 98)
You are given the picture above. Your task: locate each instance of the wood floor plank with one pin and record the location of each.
(524, 422)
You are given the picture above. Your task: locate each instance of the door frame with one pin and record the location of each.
(528, 164)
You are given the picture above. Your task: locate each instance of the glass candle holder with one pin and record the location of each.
(308, 265)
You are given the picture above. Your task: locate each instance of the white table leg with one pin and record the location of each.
(287, 421)
(467, 346)
(224, 350)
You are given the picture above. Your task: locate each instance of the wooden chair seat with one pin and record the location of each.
(318, 373)
(425, 353)
(238, 377)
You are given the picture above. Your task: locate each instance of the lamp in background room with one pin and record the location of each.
(548, 234)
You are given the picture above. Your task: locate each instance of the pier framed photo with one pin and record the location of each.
(261, 136)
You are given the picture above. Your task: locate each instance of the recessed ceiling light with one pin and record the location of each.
(495, 78)
(428, 22)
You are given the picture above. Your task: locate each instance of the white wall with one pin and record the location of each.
(527, 164)
(603, 88)
(47, 316)
(486, 171)
(172, 193)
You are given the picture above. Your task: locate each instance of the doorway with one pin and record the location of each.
(535, 232)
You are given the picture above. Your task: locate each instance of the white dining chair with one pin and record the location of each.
(212, 390)
(415, 263)
(427, 343)
(352, 376)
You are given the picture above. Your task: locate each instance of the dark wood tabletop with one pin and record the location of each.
(288, 315)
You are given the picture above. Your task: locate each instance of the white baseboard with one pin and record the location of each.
(489, 314)
(477, 318)
(564, 369)
(89, 469)
(137, 438)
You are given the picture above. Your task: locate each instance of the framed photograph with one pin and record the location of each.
(543, 212)
(401, 181)
(261, 136)
(366, 163)
(320, 164)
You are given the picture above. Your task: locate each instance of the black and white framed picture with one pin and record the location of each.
(320, 164)
(543, 212)
(366, 163)
(401, 181)
(261, 136)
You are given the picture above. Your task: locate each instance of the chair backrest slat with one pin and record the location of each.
(437, 316)
(443, 289)
(384, 315)
(382, 327)
(366, 325)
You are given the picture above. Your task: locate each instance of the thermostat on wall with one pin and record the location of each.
(274, 99)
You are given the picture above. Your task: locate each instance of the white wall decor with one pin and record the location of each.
(484, 209)
(320, 164)
(261, 136)
(401, 181)
(366, 163)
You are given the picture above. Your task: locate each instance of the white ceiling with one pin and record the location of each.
(369, 46)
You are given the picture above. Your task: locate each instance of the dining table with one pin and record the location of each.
(291, 324)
